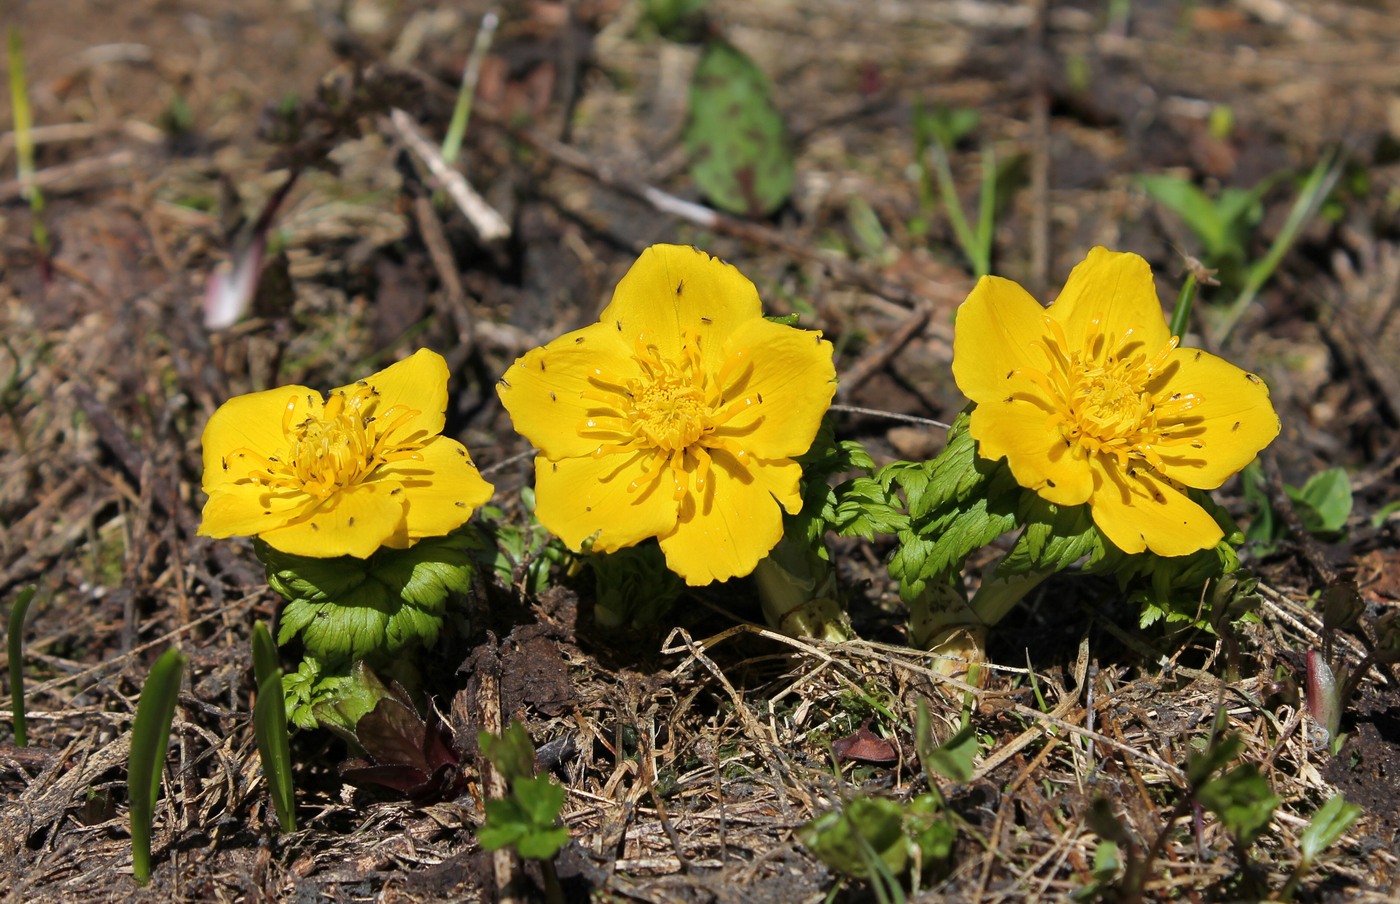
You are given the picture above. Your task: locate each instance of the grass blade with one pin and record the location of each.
(24, 141)
(1315, 190)
(15, 635)
(150, 738)
(270, 727)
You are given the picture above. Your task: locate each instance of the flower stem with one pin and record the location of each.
(942, 620)
(797, 587)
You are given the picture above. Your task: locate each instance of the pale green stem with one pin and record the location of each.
(797, 588)
(943, 621)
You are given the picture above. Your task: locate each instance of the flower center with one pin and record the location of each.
(339, 449)
(1104, 397)
(671, 415)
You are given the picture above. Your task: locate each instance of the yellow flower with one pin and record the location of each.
(676, 416)
(1090, 400)
(364, 468)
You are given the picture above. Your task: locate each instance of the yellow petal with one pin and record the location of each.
(1113, 292)
(997, 331)
(417, 383)
(1039, 456)
(1142, 511)
(247, 509)
(788, 380)
(440, 492)
(673, 290)
(251, 423)
(1232, 422)
(576, 498)
(736, 523)
(544, 390)
(353, 522)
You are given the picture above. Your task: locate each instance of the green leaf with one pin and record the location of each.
(944, 125)
(528, 819)
(839, 838)
(741, 157)
(150, 739)
(1328, 824)
(270, 727)
(1242, 799)
(1054, 538)
(953, 758)
(510, 752)
(634, 587)
(346, 609)
(1217, 755)
(505, 824)
(1192, 205)
(1324, 502)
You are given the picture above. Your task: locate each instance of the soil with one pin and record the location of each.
(162, 131)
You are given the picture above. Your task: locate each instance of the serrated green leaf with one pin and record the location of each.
(1054, 538)
(741, 157)
(346, 609)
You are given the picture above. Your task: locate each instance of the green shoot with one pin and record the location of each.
(150, 738)
(471, 73)
(1181, 314)
(24, 141)
(527, 818)
(1315, 190)
(936, 133)
(879, 840)
(15, 634)
(1328, 824)
(270, 726)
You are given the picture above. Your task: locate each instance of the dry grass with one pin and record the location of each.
(691, 756)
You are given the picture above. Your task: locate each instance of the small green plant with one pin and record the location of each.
(527, 818)
(24, 142)
(879, 840)
(1327, 825)
(1224, 226)
(741, 154)
(936, 133)
(1236, 793)
(1323, 503)
(15, 643)
(270, 727)
(150, 739)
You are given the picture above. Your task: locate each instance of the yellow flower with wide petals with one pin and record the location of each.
(676, 416)
(1091, 401)
(363, 468)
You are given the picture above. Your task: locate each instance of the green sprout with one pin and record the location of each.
(1327, 825)
(1223, 226)
(527, 818)
(15, 636)
(936, 133)
(24, 141)
(270, 727)
(150, 739)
